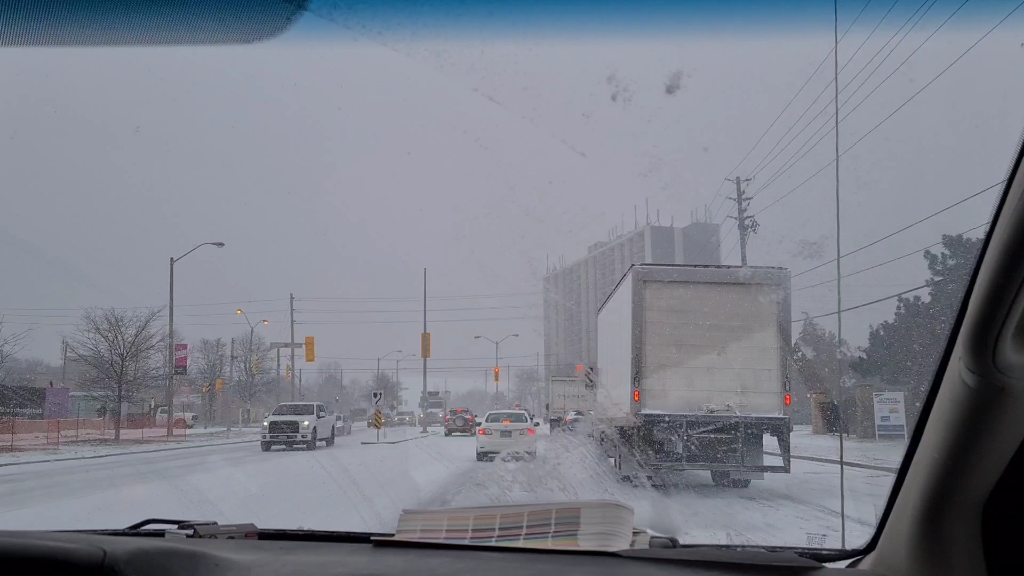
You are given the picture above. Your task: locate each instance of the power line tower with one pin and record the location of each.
(745, 224)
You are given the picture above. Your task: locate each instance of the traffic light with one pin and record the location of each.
(310, 348)
(288, 371)
(256, 365)
(497, 374)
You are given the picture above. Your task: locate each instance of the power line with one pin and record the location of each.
(410, 311)
(758, 167)
(417, 299)
(890, 261)
(786, 107)
(789, 163)
(905, 228)
(900, 107)
(348, 322)
(432, 359)
(883, 299)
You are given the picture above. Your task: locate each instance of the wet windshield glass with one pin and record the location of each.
(294, 410)
(507, 417)
(715, 250)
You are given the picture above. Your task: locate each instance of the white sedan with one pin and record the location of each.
(506, 432)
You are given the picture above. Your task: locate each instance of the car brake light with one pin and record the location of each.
(530, 430)
(484, 431)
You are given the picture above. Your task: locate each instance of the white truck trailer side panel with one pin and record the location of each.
(708, 344)
(615, 352)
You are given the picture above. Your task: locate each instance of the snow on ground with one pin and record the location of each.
(96, 448)
(354, 486)
(780, 510)
(860, 450)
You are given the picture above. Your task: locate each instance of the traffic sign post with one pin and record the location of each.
(377, 400)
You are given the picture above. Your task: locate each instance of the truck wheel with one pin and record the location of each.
(312, 441)
(447, 433)
(180, 424)
(480, 457)
(720, 478)
(265, 446)
(739, 482)
(330, 441)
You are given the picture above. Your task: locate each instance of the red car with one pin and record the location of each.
(459, 421)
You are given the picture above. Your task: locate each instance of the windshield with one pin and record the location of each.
(506, 418)
(724, 244)
(294, 410)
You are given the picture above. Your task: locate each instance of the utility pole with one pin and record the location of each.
(63, 362)
(231, 382)
(277, 382)
(423, 398)
(291, 314)
(745, 224)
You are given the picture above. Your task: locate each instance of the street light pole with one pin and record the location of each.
(496, 360)
(397, 362)
(377, 381)
(252, 354)
(169, 396)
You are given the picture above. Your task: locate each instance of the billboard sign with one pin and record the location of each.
(890, 414)
(180, 359)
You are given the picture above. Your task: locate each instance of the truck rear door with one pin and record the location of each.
(711, 344)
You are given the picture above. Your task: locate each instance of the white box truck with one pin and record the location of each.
(693, 372)
(566, 394)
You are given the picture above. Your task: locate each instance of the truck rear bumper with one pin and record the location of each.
(679, 442)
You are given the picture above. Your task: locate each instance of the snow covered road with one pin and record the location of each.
(355, 486)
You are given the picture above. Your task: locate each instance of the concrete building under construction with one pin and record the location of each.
(574, 292)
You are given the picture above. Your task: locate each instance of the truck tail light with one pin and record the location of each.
(787, 399)
(636, 395)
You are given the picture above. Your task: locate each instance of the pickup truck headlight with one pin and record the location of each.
(265, 424)
(305, 424)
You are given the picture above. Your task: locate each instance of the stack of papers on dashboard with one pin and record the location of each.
(596, 525)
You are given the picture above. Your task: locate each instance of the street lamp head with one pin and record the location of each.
(239, 311)
(477, 337)
(515, 335)
(265, 321)
(217, 244)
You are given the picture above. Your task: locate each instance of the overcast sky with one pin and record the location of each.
(336, 165)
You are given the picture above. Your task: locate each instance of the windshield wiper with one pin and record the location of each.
(211, 529)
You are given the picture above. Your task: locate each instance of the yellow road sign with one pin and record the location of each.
(425, 345)
(378, 419)
(220, 384)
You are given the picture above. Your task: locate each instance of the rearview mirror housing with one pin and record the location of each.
(536, 424)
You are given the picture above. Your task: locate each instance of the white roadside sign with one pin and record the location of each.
(376, 398)
(890, 414)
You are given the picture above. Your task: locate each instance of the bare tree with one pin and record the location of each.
(527, 386)
(120, 352)
(329, 385)
(11, 343)
(211, 361)
(253, 368)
